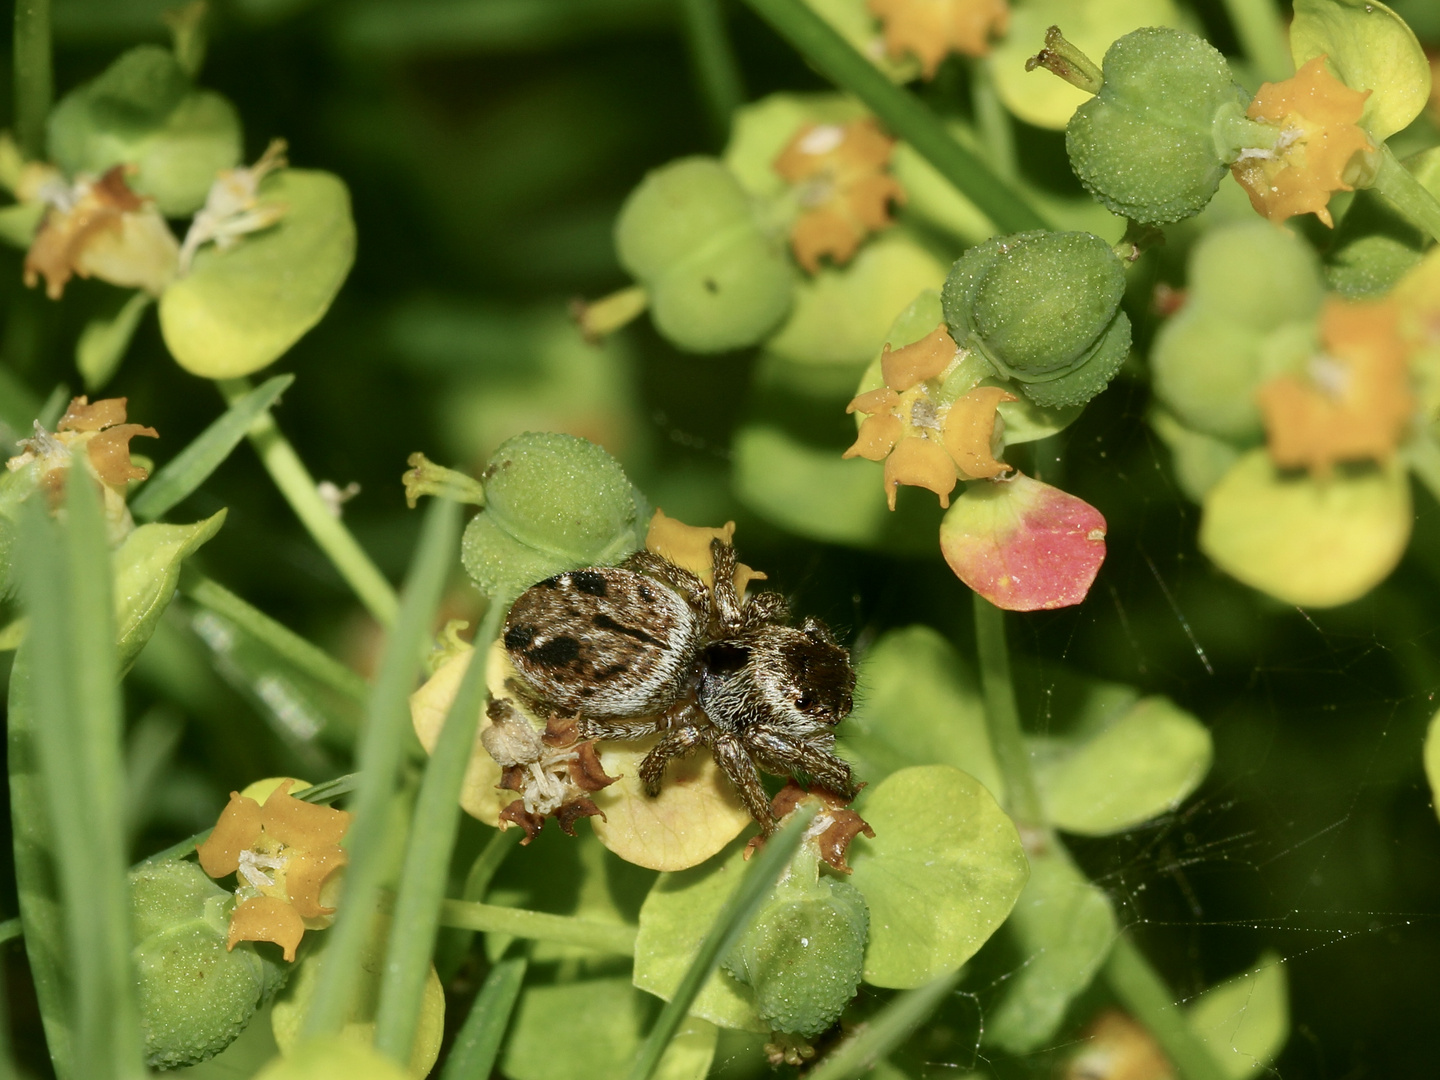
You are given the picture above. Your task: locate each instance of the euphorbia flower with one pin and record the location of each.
(100, 228)
(844, 188)
(923, 440)
(688, 546)
(99, 429)
(285, 853)
(1354, 403)
(932, 29)
(1024, 545)
(1315, 151)
(233, 207)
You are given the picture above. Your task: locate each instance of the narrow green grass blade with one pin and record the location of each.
(190, 468)
(427, 858)
(54, 407)
(606, 937)
(381, 750)
(901, 111)
(478, 1044)
(318, 664)
(734, 917)
(885, 1031)
(66, 585)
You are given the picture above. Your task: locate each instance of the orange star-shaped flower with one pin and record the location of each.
(99, 429)
(1315, 153)
(285, 854)
(932, 29)
(1354, 404)
(844, 188)
(925, 442)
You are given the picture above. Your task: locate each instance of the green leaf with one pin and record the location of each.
(1432, 761)
(1039, 98)
(1370, 48)
(603, 1025)
(473, 1054)
(1063, 926)
(1140, 765)
(19, 222)
(103, 342)
(916, 703)
(190, 468)
(940, 876)
(1197, 460)
(1245, 1020)
(239, 310)
(813, 492)
(147, 571)
(333, 1058)
(143, 111)
(1315, 543)
(673, 920)
(841, 314)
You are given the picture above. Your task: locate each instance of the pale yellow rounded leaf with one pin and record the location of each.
(479, 796)
(695, 815)
(1306, 540)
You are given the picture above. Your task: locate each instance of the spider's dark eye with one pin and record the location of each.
(804, 703)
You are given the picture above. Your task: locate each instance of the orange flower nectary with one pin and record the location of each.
(286, 854)
(1355, 401)
(99, 429)
(932, 29)
(923, 442)
(1316, 151)
(844, 193)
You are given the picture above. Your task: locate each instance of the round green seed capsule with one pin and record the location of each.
(1044, 309)
(552, 503)
(195, 996)
(804, 955)
(1145, 145)
(692, 236)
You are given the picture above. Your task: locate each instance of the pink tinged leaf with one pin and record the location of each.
(1024, 545)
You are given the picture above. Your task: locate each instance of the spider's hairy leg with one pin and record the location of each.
(611, 728)
(766, 607)
(667, 573)
(786, 756)
(677, 742)
(734, 760)
(727, 600)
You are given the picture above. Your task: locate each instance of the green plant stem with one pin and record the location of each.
(298, 486)
(1398, 185)
(10, 929)
(1262, 35)
(617, 938)
(903, 113)
(490, 859)
(1003, 716)
(314, 662)
(729, 924)
(476, 1047)
(1146, 996)
(34, 75)
(427, 858)
(884, 1032)
(716, 71)
(379, 756)
(992, 120)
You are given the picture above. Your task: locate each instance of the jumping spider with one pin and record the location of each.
(644, 648)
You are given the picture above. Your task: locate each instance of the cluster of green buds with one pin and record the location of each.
(1292, 413)
(1168, 120)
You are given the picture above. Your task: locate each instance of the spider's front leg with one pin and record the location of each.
(734, 760)
(677, 742)
(786, 757)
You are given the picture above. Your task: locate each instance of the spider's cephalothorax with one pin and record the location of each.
(646, 648)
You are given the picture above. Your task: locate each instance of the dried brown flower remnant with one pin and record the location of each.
(285, 853)
(932, 29)
(553, 773)
(1354, 403)
(844, 189)
(100, 228)
(835, 824)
